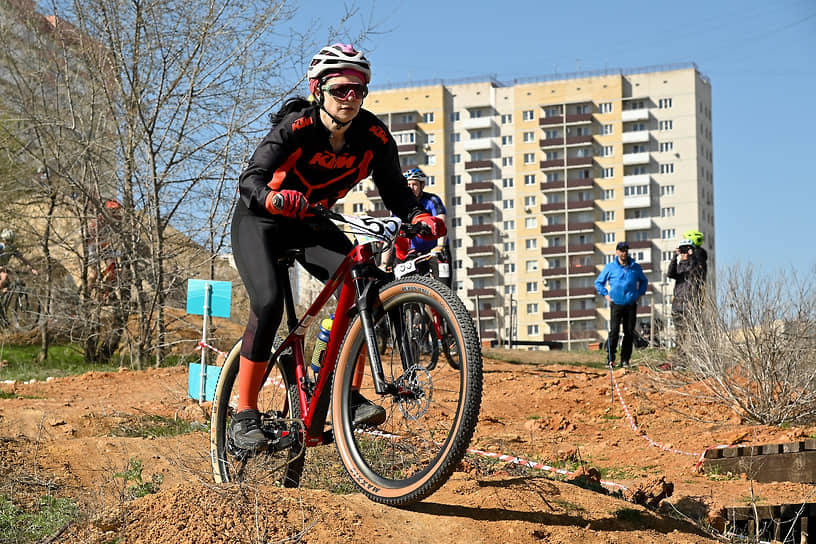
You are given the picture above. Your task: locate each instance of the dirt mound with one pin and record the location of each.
(70, 435)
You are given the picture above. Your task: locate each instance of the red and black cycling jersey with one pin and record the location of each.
(296, 155)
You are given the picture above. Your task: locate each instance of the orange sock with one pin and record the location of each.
(250, 379)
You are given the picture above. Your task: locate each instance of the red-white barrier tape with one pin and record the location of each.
(211, 348)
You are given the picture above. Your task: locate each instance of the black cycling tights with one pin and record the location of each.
(257, 242)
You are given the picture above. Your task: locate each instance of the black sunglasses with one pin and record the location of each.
(347, 91)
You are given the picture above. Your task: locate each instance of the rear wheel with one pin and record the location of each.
(430, 416)
(278, 402)
(23, 310)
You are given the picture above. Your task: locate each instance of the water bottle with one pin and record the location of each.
(320, 344)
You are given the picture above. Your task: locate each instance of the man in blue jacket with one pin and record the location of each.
(627, 283)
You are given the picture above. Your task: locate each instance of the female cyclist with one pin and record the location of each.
(316, 151)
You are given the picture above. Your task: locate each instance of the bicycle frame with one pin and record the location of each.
(357, 274)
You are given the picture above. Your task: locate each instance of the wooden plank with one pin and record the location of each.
(784, 467)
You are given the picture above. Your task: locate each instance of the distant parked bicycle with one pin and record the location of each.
(429, 415)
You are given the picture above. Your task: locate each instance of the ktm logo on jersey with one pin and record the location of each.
(379, 133)
(302, 122)
(330, 160)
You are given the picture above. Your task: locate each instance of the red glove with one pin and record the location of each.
(287, 203)
(436, 225)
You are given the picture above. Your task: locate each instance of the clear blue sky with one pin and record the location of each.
(759, 55)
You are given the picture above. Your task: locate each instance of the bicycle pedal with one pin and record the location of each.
(284, 440)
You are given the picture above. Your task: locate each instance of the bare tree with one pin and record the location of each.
(156, 103)
(753, 349)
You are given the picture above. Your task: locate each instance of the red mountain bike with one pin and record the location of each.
(431, 414)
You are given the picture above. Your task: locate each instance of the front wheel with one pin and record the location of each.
(23, 310)
(431, 413)
(279, 404)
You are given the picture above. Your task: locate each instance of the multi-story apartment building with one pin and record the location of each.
(542, 177)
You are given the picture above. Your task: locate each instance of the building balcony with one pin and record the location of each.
(639, 179)
(479, 187)
(480, 271)
(554, 120)
(554, 250)
(581, 227)
(644, 310)
(379, 213)
(402, 127)
(548, 229)
(579, 270)
(484, 313)
(552, 163)
(407, 149)
(577, 140)
(552, 186)
(553, 272)
(479, 165)
(579, 118)
(575, 249)
(478, 143)
(554, 293)
(554, 207)
(475, 251)
(553, 316)
(481, 207)
(551, 142)
(475, 123)
(579, 161)
(475, 230)
(575, 205)
(582, 291)
(485, 292)
(634, 115)
(640, 244)
(640, 201)
(638, 223)
(635, 136)
(579, 183)
(373, 194)
(630, 159)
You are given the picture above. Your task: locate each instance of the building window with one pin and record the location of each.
(510, 289)
(667, 168)
(530, 222)
(664, 103)
(532, 286)
(605, 107)
(532, 308)
(666, 146)
(507, 182)
(606, 151)
(509, 225)
(456, 158)
(529, 137)
(531, 243)
(507, 161)
(455, 137)
(529, 201)
(431, 160)
(457, 221)
(532, 330)
(609, 237)
(508, 204)
(529, 158)
(507, 140)
(668, 255)
(528, 115)
(666, 125)
(668, 234)
(529, 179)
(456, 179)
(457, 243)
(428, 117)
(608, 194)
(666, 190)
(431, 180)
(509, 246)
(636, 190)
(357, 207)
(531, 266)
(667, 212)
(609, 216)
(506, 118)
(608, 172)
(509, 268)
(457, 201)
(454, 116)
(606, 129)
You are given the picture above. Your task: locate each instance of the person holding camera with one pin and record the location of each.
(688, 270)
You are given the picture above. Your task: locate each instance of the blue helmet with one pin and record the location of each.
(417, 174)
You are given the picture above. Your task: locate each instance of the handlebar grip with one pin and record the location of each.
(278, 201)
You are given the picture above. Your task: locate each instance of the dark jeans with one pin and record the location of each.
(626, 316)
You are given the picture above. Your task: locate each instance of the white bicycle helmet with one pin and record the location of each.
(685, 243)
(417, 174)
(337, 58)
(7, 235)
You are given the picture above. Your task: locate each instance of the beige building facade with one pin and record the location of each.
(541, 179)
